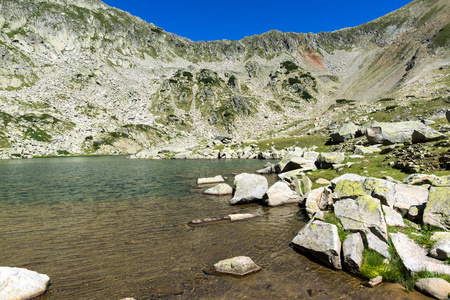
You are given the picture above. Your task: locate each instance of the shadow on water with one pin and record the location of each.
(110, 228)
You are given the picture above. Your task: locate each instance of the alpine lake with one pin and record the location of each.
(110, 228)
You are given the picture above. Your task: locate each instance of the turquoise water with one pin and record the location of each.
(110, 228)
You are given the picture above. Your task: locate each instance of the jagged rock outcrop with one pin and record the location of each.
(83, 77)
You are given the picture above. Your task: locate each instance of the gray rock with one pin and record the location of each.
(363, 214)
(219, 190)
(415, 257)
(441, 246)
(249, 188)
(447, 115)
(348, 176)
(426, 134)
(18, 283)
(434, 287)
(437, 210)
(239, 265)
(208, 180)
(313, 199)
(392, 217)
(381, 189)
(373, 282)
(348, 189)
(307, 184)
(392, 133)
(280, 193)
(374, 243)
(408, 195)
(352, 251)
(322, 181)
(321, 240)
(347, 132)
(291, 162)
(327, 159)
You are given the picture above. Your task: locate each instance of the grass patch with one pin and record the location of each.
(373, 266)
(303, 142)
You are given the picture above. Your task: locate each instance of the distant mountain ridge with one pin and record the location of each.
(83, 77)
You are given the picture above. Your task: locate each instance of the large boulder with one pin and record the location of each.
(239, 265)
(322, 241)
(249, 188)
(392, 133)
(347, 132)
(415, 258)
(363, 214)
(348, 189)
(434, 287)
(280, 193)
(437, 210)
(352, 251)
(327, 159)
(409, 195)
(381, 189)
(350, 177)
(426, 134)
(219, 190)
(441, 246)
(292, 161)
(18, 283)
(374, 243)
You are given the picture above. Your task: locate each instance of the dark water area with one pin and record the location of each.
(110, 228)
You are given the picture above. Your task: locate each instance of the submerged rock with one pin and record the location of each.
(239, 265)
(18, 283)
(241, 217)
(321, 240)
(249, 188)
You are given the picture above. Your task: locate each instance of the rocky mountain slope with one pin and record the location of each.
(82, 77)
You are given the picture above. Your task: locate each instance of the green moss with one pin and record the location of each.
(332, 219)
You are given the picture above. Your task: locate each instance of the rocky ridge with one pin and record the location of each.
(80, 77)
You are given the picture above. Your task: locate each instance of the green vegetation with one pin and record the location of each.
(373, 266)
(345, 101)
(332, 219)
(38, 135)
(442, 38)
(289, 66)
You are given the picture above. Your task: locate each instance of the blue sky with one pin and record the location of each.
(208, 20)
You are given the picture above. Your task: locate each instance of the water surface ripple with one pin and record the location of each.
(109, 228)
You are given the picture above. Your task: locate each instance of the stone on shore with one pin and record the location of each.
(280, 193)
(322, 241)
(373, 282)
(249, 188)
(363, 214)
(313, 199)
(434, 287)
(348, 189)
(409, 195)
(374, 243)
(426, 134)
(441, 246)
(219, 190)
(437, 210)
(392, 217)
(208, 180)
(239, 265)
(352, 251)
(415, 257)
(18, 283)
